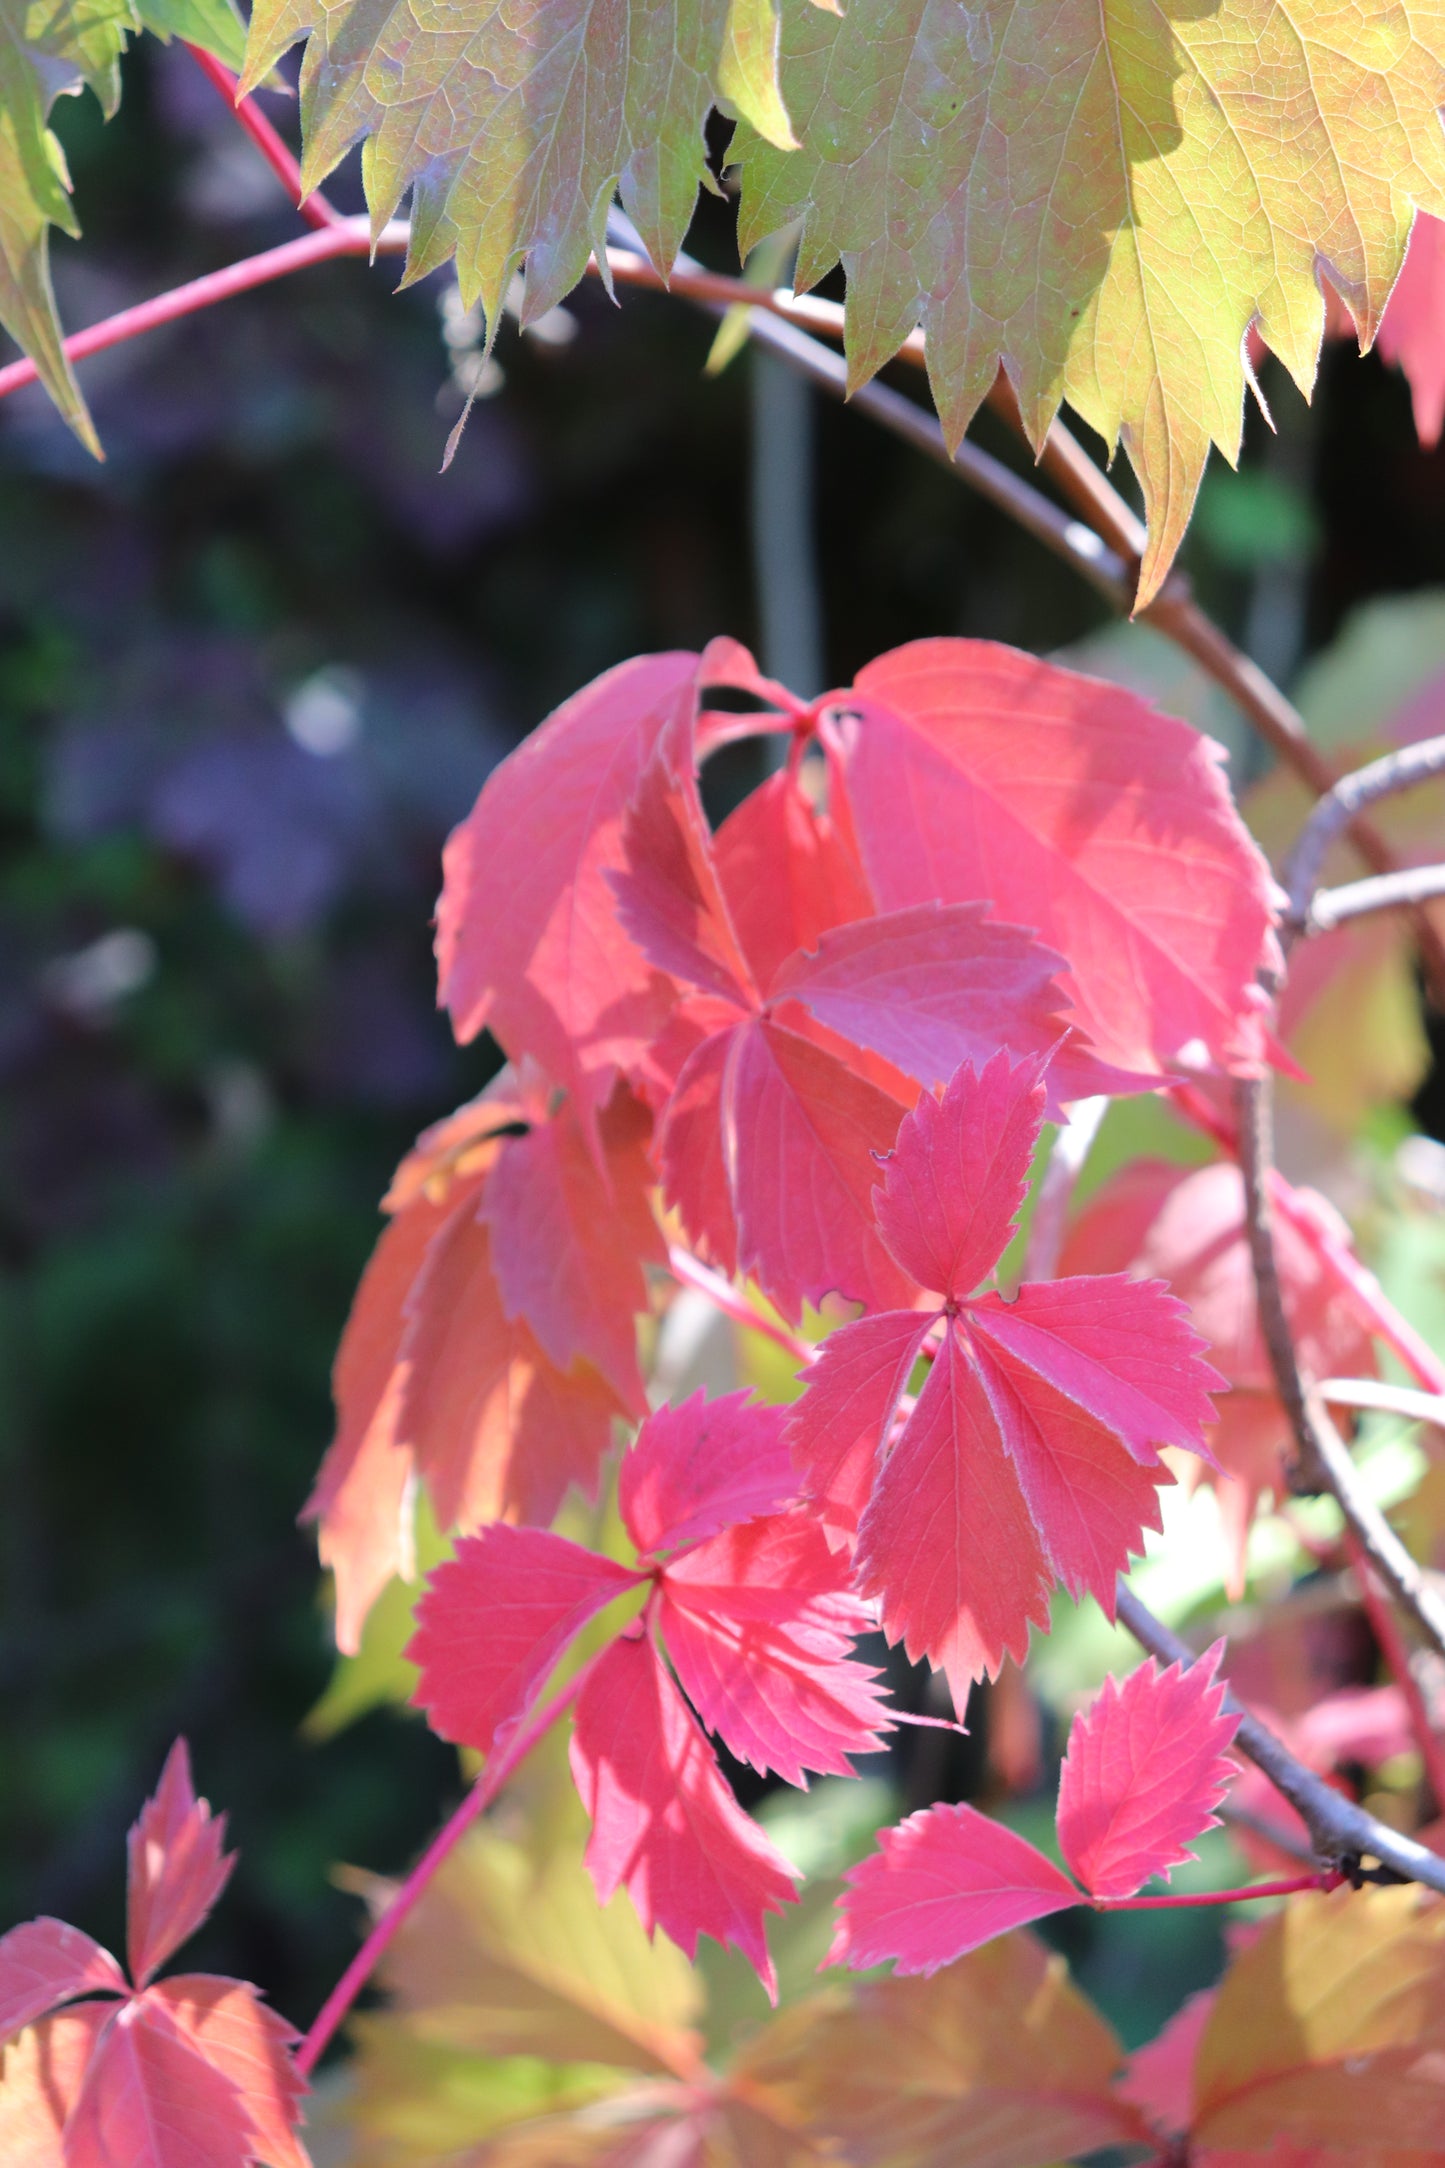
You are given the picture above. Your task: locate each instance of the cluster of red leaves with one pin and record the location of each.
(189, 2072)
(1146, 1766)
(1024, 887)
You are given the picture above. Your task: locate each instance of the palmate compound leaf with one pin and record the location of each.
(768, 1142)
(1104, 204)
(473, 1358)
(1031, 1455)
(756, 1616)
(188, 2072)
(1145, 1768)
(1323, 2044)
(966, 769)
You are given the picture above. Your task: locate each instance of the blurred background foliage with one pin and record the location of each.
(251, 670)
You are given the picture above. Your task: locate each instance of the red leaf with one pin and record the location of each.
(528, 939)
(696, 1469)
(854, 1385)
(1410, 329)
(569, 1240)
(668, 895)
(1145, 1768)
(151, 2101)
(498, 1431)
(940, 984)
(959, 1173)
(45, 1963)
(1076, 809)
(760, 1625)
(227, 2024)
(1032, 1451)
(493, 1622)
(664, 1824)
(177, 1869)
(941, 1884)
(692, 1152)
(787, 874)
(1160, 2076)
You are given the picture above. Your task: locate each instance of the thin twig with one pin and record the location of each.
(1390, 1642)
(1325, 1459)
(1402, 891)
(1396, 772)
(501, 1764)
(1056, 1187)
(733, 1303)
(1388, 1399)
(278, 155)
(1341, 1832)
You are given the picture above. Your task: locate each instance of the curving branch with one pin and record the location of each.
(1325, 1461)
(1342, 1833)
(1385, 778)
(1402, 891)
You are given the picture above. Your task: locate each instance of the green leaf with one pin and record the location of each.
(48, 48)
(215, 25)
(513, 127)
(1104, 200)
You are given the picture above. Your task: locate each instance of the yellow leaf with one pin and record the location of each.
(1329, 2030)
(996, 2063)
(1105, 199)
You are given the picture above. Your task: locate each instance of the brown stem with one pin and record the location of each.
(1396, 1657)
(1341, 1832)
(1324, 1458)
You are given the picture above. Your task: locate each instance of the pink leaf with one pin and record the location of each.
(802, 1131)
(854, 1385)
(760, 1624)
(528, 939)
(43, 2073)
(177, 1869)
(941, 1884)
(227, 2023)
(692, 1152)
(696, 1469)
(151, 2101)
(930, 988)
(959, 1173)
(569, 1240)
(947, 1543)
(1412, 329)
(787, 874)
(493, 1622)
(664, 1825)
(1160, 2076)
(497, 1430)
(45, 1963)
(1145, 1768)
(1081, 812)
(668, 894)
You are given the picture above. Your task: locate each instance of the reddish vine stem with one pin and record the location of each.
(1341, 1832)
(277, 153)
(1286, 1886)
(693, 1273)
(501, 1764)
(1391, 1644)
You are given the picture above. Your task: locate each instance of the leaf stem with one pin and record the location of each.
(278, 155)
(1341, 1832)
(501, 1765)
(733, 1303)
(349, 237)
(1391, 1644)
(1286, 1886)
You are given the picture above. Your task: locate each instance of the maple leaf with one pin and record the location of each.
(998, 2063)
(966, 769)
(767, 1145)
(188, 2072)
(1031, 1453)
(492, 1341)
(1145, 1768)
(1186, 1226)
(1108, 226)
(1349, 2066)
(753, 1611)
(46, 49)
